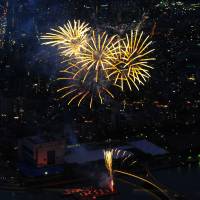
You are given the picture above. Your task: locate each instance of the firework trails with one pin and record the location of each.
(70, 38)
(97, 53)
(96, 61)
(79, 87)
(130, 65)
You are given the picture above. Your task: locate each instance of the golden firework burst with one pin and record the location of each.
(79, 90)
(95, 61)
(130, 65)
(70, 38)
(97, 54)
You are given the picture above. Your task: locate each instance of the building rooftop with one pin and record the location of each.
(147, 147)
(84, 153)
(41, 139)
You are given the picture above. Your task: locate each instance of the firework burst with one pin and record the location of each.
(70, 38)
(131, 63)
(97, 54)
(83, 87)
(95, 61)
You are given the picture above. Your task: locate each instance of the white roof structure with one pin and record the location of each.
(83, 154)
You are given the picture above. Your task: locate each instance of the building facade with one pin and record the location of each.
(42, 152)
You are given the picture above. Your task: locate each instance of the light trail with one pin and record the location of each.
(142, 179)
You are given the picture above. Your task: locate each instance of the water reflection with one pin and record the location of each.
(184, 180)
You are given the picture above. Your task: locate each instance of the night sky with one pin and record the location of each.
(165, 111)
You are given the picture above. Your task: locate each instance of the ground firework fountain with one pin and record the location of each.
(108, 157)
(96, 192)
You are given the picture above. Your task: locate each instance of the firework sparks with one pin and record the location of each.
(79, 89)
(111, 154)
(130, 65)
(95, 61)
(108, 157)
(108, 154)
(124, 156)
(97, 54)
(145, 180)
(70, 38)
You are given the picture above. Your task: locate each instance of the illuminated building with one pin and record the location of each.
(42, 152)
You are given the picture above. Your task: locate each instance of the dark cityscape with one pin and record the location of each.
(66, 137)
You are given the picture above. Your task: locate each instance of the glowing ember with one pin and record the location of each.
(112, 185)
(88, 193)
